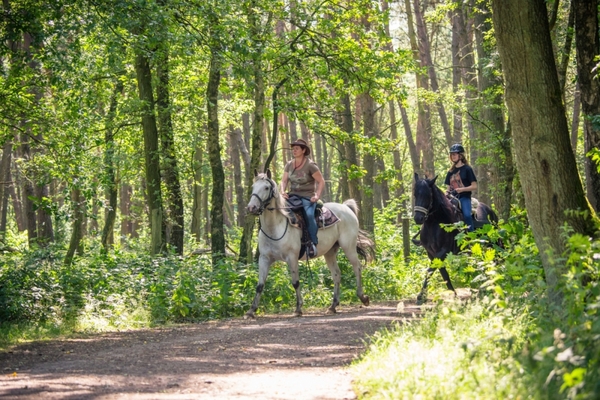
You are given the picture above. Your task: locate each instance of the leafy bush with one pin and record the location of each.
(511, 342)
(127, 287)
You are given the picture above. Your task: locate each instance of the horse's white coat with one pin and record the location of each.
(280, 241)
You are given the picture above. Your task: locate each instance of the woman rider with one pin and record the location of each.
(307, 183)
(461, 180)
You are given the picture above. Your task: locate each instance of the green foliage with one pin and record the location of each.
(509, 341)
(454, 351)
(128, 288)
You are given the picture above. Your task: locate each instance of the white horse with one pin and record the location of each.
(278, 240)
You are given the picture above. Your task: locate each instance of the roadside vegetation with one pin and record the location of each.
(127, 288)
(507, 341)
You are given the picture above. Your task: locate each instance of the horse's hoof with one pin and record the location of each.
(298, 314)
(331, 310)
(249, 315)
(421, 299)
(365, 300)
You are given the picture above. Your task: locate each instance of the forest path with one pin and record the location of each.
(272, 357)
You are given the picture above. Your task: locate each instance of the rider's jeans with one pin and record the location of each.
(465, 205)
(309, 209)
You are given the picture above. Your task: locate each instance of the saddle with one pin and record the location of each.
(456, 203)
(324, 218)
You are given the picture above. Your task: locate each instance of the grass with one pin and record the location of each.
(455, 352)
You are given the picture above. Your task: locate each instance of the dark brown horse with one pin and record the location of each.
(433, 208)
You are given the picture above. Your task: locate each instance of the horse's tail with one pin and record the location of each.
(365, 246)
(351, 204)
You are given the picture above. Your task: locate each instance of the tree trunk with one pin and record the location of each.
(5, 182)
(346, 123)
(125, 210)
(196, 226)
(575, 120)
(236, 142)
(496, 141)
(369, 130)
(423, 142)
(169, 157)
(566, 52)
(457, 129)
(151, 154)
(78, 202)
(217, 237)
(427, 62)
(257, 129)
(110, 180)
(588, 49)
(546, 164)
(27, 193)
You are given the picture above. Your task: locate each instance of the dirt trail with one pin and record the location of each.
(272, 357)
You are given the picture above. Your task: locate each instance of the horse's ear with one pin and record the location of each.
(268, 173)
(255, 172)
(416, 177)
(433, 180)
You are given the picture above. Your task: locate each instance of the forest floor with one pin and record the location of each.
(270, 357)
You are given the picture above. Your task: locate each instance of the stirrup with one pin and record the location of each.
(311, 249)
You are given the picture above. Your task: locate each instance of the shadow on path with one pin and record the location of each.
(272, 357)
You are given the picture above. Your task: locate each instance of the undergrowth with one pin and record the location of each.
(509, 341)
(127, 288)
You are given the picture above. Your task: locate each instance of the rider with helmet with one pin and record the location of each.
(461, 181)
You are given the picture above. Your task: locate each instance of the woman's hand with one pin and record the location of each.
(314, 199)
(285, 195)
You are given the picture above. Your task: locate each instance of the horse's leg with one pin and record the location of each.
(264, 264)
(422, 296)
(336, 275)
(446, 277)
(295, 276)
(352, 256)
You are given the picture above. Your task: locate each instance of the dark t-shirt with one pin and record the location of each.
(461, 177)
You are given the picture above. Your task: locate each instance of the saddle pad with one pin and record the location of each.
(327, 218)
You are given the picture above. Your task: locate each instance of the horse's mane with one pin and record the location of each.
(443, 203)
(440, 202)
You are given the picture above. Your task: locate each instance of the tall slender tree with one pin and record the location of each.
(587, 41)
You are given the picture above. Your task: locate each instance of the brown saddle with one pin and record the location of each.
(323, 216)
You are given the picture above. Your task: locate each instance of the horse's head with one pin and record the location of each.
(423, 196)
(264, 190)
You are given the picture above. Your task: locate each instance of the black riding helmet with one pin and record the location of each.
(457, 148)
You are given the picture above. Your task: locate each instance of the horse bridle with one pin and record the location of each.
(263, 206)
(265, 203)
(423, 209)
